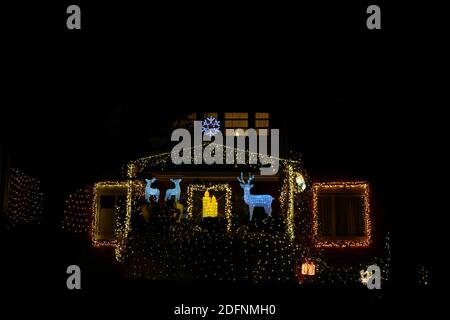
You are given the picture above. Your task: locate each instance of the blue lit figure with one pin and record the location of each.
(174, 192)
(263, 200)
(151, 192)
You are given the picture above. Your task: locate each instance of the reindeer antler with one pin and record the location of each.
(241, 179)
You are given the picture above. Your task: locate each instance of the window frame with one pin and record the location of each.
(234, 117)
(116, 189)
(343, 187)
(262, 117)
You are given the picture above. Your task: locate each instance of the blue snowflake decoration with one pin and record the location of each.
(211, 126)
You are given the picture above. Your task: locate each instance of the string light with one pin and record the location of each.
(355, 186)
(100, 187)
(25, 199)
(423, 275)
(163, 160)
(135, 192)
(224, 187)
(78, 211)
(269, 250)
(291, 201)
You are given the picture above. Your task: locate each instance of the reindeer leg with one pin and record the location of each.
(250, 209)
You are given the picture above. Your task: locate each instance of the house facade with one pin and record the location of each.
(327, 227)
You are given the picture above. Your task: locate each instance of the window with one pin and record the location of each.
(192, 116)
(186, 122)
(107, 202)
(106, 197)
(242, 120)
(235, 120)
(341, 214)
(262, 121)
(210, 114)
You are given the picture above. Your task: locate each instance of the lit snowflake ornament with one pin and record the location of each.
(211, 126)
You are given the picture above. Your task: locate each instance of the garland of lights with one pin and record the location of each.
(162, 160)
(291, 202)
(317, 187)
(95, 204)
(135, 192)
(215, 187)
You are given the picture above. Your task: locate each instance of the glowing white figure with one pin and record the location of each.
(151, 192)
(174, 192)
(300, 181)
(263, 200)
(210, 126)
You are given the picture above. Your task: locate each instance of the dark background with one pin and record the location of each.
(357, 101)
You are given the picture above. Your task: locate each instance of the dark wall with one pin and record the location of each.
(1, 177)
(4, 169)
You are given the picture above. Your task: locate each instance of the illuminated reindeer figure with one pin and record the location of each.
(262, 200)
(175, 192)
(151, 192)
